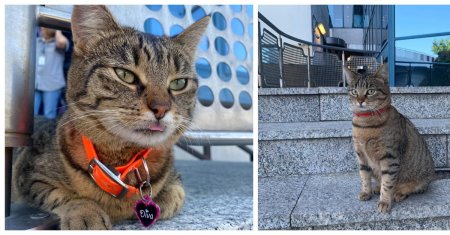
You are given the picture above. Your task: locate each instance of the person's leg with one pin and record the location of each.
(51, 99)
(37, 101)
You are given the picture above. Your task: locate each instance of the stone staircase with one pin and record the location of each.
(308, 173)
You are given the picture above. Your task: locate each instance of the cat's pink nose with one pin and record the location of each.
(159, 109)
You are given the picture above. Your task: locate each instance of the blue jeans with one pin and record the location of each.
(50, 100)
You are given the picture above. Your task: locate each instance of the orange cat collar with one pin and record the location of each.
(111, 179)
(372, 113)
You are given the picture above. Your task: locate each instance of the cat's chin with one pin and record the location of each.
(146, 137)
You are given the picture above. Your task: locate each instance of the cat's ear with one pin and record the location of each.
(383, 73)
(192, 35)
(90, 22)
(349, 75)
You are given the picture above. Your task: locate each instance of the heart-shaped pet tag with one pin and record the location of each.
(147, 211)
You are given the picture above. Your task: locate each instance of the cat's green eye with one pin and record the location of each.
(370, 92)
(125, 75)
(354, 92)
(178, 84)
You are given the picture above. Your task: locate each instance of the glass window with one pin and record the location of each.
(242, 75)
(237, 27)
(236, 8)
(239, 51)
(205, 96)
(226, 98)
(175, 30)
(177, 10)
(336, 15)
(197, 13)
(221, 46)
(219, 21)
(357, 16)
(204, 43)
(224, 71)
(152, 26)
(203, 68)
(348, 16)
(245, 100)
(249, 9)
(154, 7)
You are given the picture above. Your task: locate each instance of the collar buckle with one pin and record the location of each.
(111, 173)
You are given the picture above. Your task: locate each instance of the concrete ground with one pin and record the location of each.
(218, 197)
(329, 201)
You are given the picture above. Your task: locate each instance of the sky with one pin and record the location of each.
(420, 19)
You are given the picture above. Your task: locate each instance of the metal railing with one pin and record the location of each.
(299, 63)
(423, 73)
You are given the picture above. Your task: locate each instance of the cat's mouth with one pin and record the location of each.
(154, 127)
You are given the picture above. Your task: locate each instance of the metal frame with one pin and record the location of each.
(391, 44)
(310, 66)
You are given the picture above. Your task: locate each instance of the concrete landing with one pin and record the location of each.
(329, 201)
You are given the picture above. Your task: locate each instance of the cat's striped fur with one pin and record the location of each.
(116, 116)
(388, 146)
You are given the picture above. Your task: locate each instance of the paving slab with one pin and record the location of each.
(330, 200)
(277, 197)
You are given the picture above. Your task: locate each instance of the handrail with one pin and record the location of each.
(430, 35)
(267, 22)
(421, 62)
(52, 18)
(218, 137)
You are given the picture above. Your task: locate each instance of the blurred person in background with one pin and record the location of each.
(50, 50)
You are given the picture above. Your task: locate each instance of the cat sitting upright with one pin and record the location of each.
(387, 144)
(130, 97)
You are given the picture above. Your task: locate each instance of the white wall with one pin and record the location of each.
(294, 20)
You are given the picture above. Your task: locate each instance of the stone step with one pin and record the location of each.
(330, 201)
(326, 147)
(331, 103)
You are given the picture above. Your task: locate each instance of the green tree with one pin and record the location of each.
(442, 49)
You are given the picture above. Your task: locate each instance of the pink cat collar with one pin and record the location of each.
(371, 113)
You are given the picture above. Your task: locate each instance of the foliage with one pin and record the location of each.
(442, 49)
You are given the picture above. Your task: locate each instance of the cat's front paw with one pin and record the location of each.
(85, 218)
(364, 196)
(384, 206)
(398, 197)
(171, 200)
(376, 189)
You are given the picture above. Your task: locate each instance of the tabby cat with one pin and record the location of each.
(127, 91)
(387, 144)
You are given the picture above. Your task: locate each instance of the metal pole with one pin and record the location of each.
(207, 151)
(391, 41)
(409, 75)
(280, 50)
(343, 66)
(259, 56)
(8, 174)
(308, 62)
(431, 74)
(20, 53)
